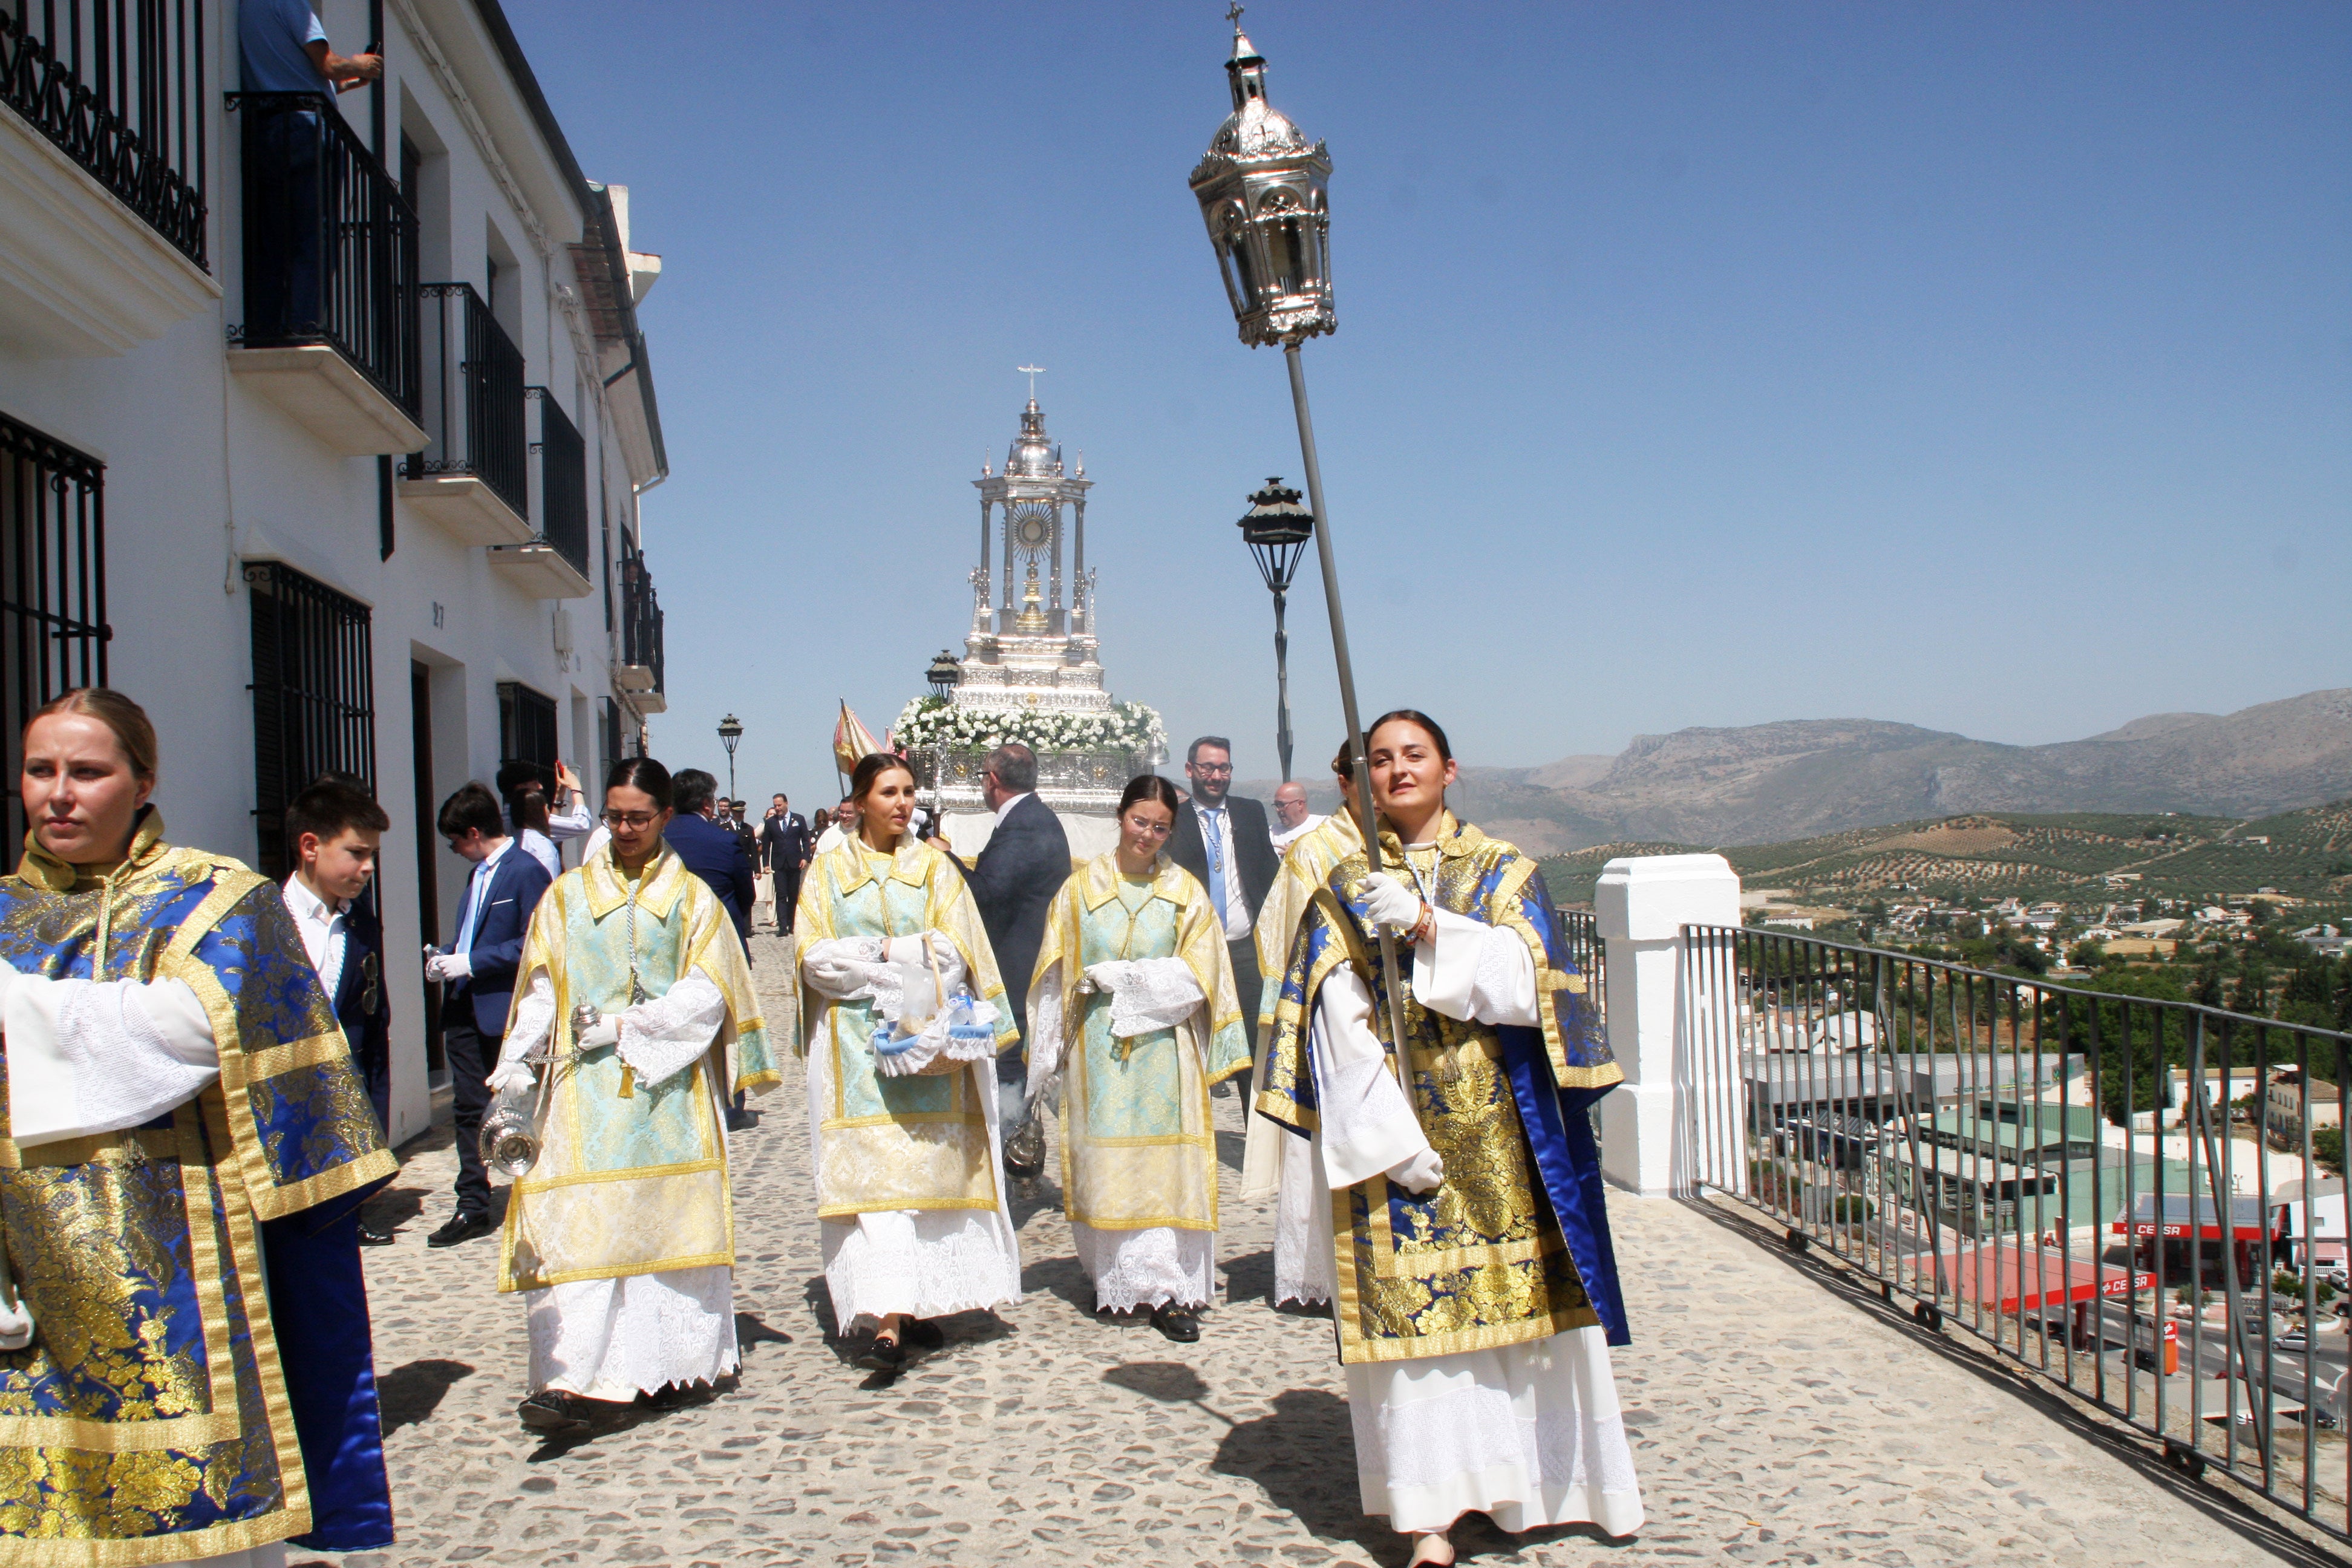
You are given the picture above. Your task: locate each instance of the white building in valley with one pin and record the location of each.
(324, 425)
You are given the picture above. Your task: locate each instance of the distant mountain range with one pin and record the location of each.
(1803, 778)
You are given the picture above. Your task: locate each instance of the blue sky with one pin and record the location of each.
(1980, 367)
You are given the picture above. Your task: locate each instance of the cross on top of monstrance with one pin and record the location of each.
(1233, 14)
(1032, 371)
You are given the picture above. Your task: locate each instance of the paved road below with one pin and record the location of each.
(1772, 1421)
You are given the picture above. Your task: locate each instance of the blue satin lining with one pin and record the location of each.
(318, 1307)
(1560, 1133)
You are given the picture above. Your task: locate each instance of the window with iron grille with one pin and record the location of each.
(53, 630)
(313, 696)
(608, 740)
(527, 730)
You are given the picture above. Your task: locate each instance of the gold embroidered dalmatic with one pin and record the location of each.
(920, 1141)
(632, 1178)
(147, 1422)
(1137, 1147)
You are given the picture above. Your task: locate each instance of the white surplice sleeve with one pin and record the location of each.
(842, 967)
(663, 1037)
(87, 1056)
(534, 1015)
(1151, 993)
(1474, 973)
(1044, 1035)
(1367, 1126)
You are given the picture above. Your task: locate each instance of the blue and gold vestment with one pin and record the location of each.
(1514, 1246)
(148, 1420)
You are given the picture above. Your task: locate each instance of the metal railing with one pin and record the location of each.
(563, 481)
(1580, 933)
(119, 87)
(641, 617)
(471, 397)
(330, 243)
(53, 625)
(2054, 1168)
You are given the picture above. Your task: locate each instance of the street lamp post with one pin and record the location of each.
(1263, 190)
(1277, 529)
(945, 674)
(730, 731)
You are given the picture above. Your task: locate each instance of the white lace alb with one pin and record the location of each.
(1133, 1268)
(614, 1339)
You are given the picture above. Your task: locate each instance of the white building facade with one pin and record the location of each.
(324, 425)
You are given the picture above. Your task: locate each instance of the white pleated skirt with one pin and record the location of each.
(615, 1339)
(1530, 1435)
(926, 1263)
(1302, 1227)
(1158, 1266)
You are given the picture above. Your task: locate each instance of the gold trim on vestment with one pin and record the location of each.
(273, 1061)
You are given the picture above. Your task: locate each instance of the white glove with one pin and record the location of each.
(1390, 903)
(16, 1326)
(605, 1031)
(1110, 973)
(447, 966)
(515, 1074)
(1420, 1173)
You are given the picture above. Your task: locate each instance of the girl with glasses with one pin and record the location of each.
(1133, 1007)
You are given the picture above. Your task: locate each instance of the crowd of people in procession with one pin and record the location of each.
(197, 1071)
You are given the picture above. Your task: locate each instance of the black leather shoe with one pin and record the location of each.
(370, 1236)
(461, 1226)
(1179, 1323)
(558, 1414)
(742, 1120)
(882, 1355)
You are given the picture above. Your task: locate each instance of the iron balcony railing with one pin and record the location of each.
(2066, 1171)
(472, 396)
(330, 243)
(119, 87)
(563, 481)
(641, 617)
(1580, 933)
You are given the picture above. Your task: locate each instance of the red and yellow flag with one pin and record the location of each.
(852, 742)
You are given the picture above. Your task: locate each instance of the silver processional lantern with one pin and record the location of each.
(1262, 190)
(1264, 193)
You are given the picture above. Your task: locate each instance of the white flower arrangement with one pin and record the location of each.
(936, 721)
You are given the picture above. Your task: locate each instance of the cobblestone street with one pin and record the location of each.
(1772, 1421)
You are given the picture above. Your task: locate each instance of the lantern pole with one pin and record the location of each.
(1358, 741)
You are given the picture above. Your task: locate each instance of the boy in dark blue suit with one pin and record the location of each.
(326, 1350)
(479, 972)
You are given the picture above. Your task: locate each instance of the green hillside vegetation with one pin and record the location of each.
(2063, 857)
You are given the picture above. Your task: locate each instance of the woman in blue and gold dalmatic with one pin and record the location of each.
(1477, 1292)
(177, 1093)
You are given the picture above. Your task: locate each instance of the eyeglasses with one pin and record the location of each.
(631, 821)
(1151, 829)
(1224, 771)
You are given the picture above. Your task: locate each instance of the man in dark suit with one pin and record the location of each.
(1222, 839)
(335, 829)
(479, 972)
(784, 849)
(1024, 864)
(710, 848)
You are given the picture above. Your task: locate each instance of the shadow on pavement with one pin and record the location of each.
(1250, 1278)
(409, 1395)
(750, 1330)
(1229, 1149)
(1065, 1278)
(1289, 1452)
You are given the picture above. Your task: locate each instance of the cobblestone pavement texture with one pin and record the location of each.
(1772, 1422)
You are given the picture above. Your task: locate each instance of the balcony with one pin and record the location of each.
(639, 673)
(472, 478)
(102, 210)
(1994, 1166)
(555, 564)
(331, 332)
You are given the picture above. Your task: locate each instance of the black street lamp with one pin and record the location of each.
(1277, 529)
(944, 673)
(730, 731)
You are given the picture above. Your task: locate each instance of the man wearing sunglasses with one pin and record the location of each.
(1223, 839)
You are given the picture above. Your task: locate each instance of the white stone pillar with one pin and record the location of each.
(1642, 903)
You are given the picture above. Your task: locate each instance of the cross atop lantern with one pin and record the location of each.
(1262, 190)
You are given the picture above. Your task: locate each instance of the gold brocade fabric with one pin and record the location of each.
(147, 1422)
(1305, 867)
(632, 1178)
(1481, 1261)
(919, 1142)
(1137, 1149)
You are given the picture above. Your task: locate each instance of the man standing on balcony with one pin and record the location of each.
(283, 47)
